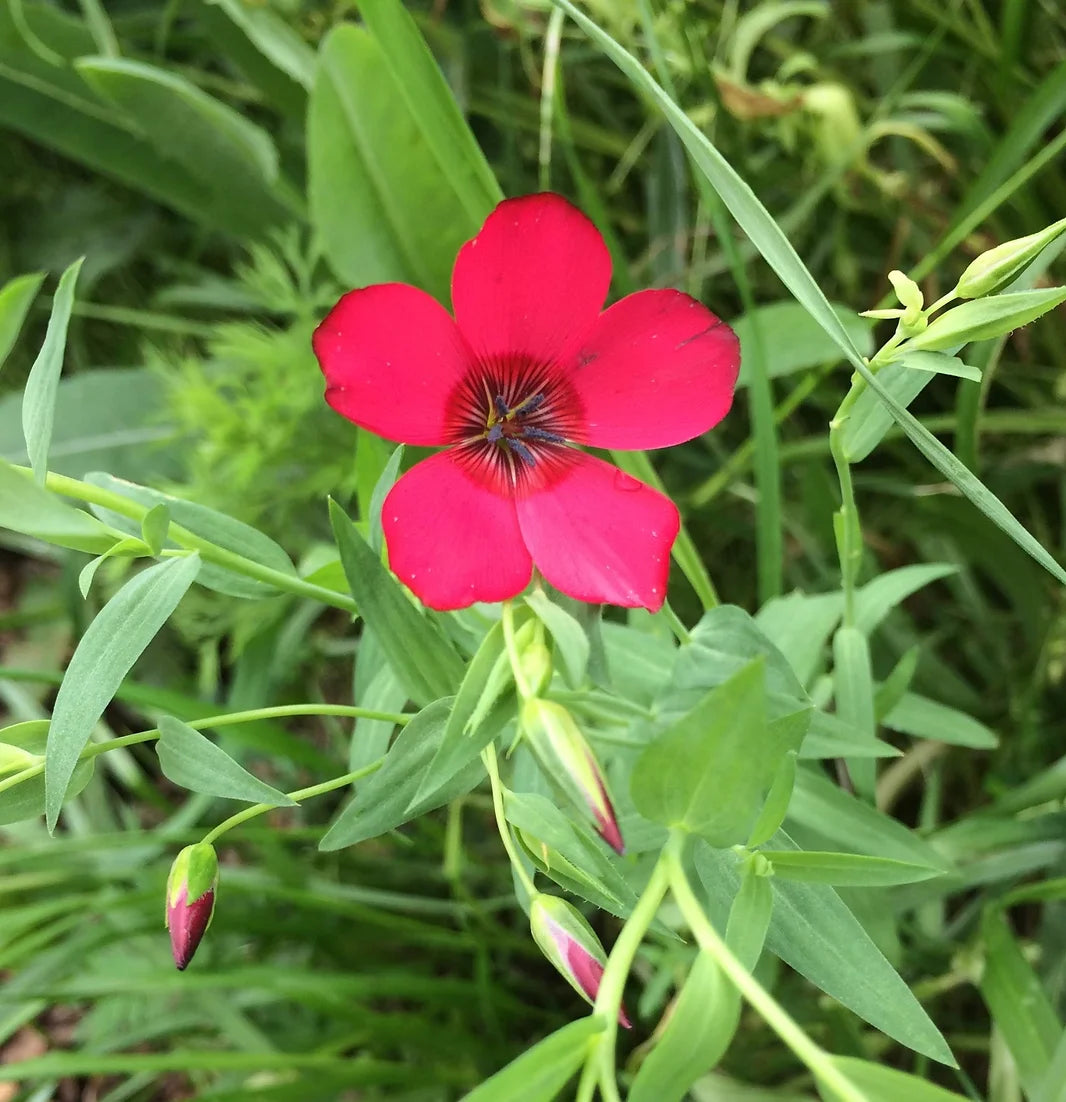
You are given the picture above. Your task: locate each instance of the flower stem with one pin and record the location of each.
(521, 683)
(813, 1055)
(210, 552)
(849, 540)
(609, 997)
(488, 756)
(298, 795)
(226, 719)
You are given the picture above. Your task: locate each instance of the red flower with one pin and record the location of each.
(529, 367)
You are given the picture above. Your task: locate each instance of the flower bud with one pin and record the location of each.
(910, 296)
(13, 759)
(190, 899)
(568, 759)
(568, 941)
(536, 663)
(993, 268)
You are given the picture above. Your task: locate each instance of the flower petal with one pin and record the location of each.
(532, 282)
(452, 540)
(658, 369)
(392, 356)
(599, 535)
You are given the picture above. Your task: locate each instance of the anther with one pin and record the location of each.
(531, 432)
(521, 451)
(502, 409)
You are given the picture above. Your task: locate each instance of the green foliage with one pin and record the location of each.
(228, 170)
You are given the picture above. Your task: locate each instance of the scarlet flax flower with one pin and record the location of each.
(530, 366)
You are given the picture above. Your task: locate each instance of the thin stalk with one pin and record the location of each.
(488, 756)
(211, 552)
(226, 719)
(299, 795)
(816, 1058)
(609, 997)
(520, 680)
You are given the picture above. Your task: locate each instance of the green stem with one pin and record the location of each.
(850, 537)
(226, 719)
(814, 1056)
(298, 795)
(211, 552)
(609, 997)
(488, 756)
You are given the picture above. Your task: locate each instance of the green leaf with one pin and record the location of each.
(232, 159)
(701, 1024)
(890, 692)
(778, 798)
(383, 801)
(750, 214)
(799, 626)
(275, 39)
(749, 916)
(924, 718)
(540, 1073)
(571, 642)
(880, 1083)
(424, 660)
(382, 485)
(709, 773)
(829, 812)
(970, 485)
(26, 799)
(16, 298)
(466, 731)
(853, 692)
(985, 318)
(28, 508)
(1017, 1001)
(937, 363)
(154, 527)
(130, 547)
(422, 86)
(217, 528)
(576, 858)
(378, 200)
(105, 654)
(793, 341)
(869, 420)
(720, 645)
(875, 600)
(107, 419)
(194, 762)
(39, 397)
(829, 738)
(850, 870)
(813, 932)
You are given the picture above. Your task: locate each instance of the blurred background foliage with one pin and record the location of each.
(210, 158)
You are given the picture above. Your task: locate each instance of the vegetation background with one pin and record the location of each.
(206, 157)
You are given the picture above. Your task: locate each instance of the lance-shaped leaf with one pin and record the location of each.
(106, 653)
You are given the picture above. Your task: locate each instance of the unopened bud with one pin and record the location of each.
(13, 759)
(568, 941)
(996, 266)
(191, 899)
(568, 759)
(536, 663)
(910, 296)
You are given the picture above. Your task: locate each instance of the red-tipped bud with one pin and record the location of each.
(567, 940)
(191, 899)
(568, 759)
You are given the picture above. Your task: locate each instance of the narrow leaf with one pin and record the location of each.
(539, 1074)
(424, 660)
(193, 761)
(28, 508)
(963, 478)
(39, 397)
(106, 653)
(846, 869)
(16, 298)
(939, 363)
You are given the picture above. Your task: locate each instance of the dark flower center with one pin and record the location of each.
(511, 422)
